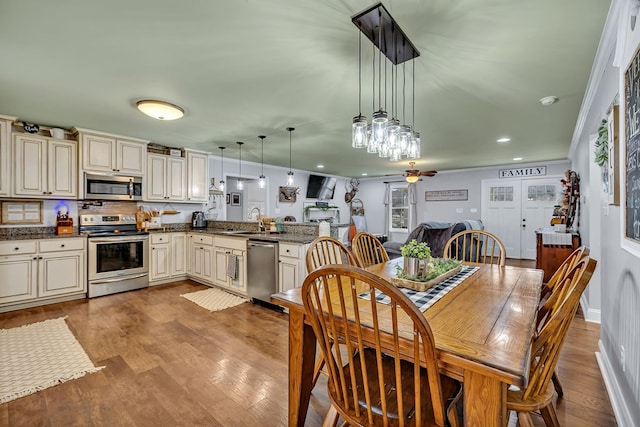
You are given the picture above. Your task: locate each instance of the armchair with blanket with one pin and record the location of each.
(435, 234)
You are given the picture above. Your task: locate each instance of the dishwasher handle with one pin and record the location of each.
(261, 244)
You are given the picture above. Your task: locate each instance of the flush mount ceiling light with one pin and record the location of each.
(549, 100)
(503, 140)
(159, 109)
(385, 136)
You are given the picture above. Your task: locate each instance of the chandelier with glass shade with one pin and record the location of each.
(385, 136)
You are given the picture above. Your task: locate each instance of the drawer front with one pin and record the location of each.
(289, 250)
(16, 247)
(159, 238)
(57, 245)
(239, 243)
(202, 239)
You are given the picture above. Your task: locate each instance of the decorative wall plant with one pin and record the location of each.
(602, 144)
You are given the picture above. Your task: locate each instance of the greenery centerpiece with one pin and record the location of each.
(420, 266)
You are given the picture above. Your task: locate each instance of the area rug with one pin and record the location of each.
(38, 356)
(214, 299)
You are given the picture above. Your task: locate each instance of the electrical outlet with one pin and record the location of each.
(622, 358)
(277, 210)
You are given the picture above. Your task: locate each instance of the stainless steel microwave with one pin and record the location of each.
(112, 187)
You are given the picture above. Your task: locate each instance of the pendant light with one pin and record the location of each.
(359, 126)
(240, 184)
(262, 181)
(290, 173)
(380, 118)
(221, 168)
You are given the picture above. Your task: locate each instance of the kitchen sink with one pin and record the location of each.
(238, 232)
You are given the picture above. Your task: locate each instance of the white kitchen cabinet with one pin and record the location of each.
(168, 253)
(166, 178)
(293, 270)
(39, 272)
(5, 163)
(197, 176)
(44, 167)
(106, 153)
(225, 249)
(200, 266)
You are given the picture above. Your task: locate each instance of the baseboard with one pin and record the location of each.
(620, 409)
(590, 314)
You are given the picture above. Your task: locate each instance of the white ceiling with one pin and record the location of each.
(247, 67)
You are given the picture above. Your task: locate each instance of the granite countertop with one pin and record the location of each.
(35, 233)
(248, 234)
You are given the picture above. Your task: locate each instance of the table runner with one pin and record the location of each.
(425, 299)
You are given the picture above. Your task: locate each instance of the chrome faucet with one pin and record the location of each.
(260, 223)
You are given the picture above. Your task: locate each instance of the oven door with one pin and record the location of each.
(118, 256)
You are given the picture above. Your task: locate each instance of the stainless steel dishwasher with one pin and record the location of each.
(262, 271)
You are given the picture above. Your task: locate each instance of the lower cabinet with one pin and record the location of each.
(292, 264)
(200, 258)
(35, 272)
(228, 275)
(168, 257)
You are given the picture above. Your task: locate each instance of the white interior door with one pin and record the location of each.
(501, 212)
(514, 209)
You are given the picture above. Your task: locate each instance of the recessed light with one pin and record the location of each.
(503, 140)
(517, 158)
(364, 174)
(548, 100)
(320, 166)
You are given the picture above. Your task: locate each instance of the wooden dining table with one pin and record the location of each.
(482, 329)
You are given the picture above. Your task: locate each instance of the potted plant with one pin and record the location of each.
(415, 255)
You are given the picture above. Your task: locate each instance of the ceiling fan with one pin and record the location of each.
(413, 175)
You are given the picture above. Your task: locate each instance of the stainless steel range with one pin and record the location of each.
(118, 255)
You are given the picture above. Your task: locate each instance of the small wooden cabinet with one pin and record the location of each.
(197, 177)
(105, 153)
(5, 138)
(292, 266)
(166, 178)
(168, 256)
(44, 167)
(227, 247)
(550, 256)
(36, 272)
(200, 265)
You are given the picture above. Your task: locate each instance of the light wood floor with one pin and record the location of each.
(170, 363)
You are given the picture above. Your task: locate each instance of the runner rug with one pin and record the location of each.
(214, 299)
(38, 356)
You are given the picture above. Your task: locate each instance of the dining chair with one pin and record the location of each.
(323, 251)
(369, 348)
(326, 250)
(566, 265)
(546, 345)
(476, 247)
(367, 249)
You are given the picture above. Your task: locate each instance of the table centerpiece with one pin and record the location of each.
(420, 270)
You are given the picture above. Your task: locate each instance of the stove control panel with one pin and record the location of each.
(104, 219)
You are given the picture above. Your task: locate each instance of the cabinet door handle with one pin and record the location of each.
(16, 249)
(35, 258)
(39, 257)
(62, 246)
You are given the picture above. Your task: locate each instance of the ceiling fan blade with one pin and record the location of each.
(428, 173)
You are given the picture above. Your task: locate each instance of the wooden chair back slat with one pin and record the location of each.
(326, 250)
(566, 265)
(476, 247)
(368, 250)
(366, 349)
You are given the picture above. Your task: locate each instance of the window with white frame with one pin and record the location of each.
(399, 209)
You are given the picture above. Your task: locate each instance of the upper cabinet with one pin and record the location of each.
(166, 178)
(100, 152)
(44, 167)
(5, 138)
(197, 176)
